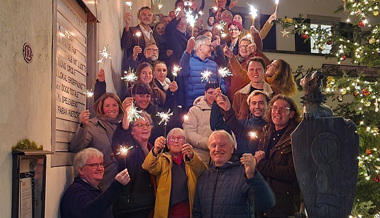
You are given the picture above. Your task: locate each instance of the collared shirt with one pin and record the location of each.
(275, 137)
(147, 33)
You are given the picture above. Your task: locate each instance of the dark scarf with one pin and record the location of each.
(110, 124)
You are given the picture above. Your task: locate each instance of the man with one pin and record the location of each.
(130, 37)
(230, 188)
(197, 126)
(84, 198)
(255, 73)
(193, 65)
(150, 55)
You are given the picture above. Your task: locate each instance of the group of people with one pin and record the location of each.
(229, 156)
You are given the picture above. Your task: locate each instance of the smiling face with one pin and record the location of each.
(258, 105)
(142, 100)
(110, 107)
(272, 68)
(220, 148)
(151, 52)
(160, 72)
(243, 48)
(92, 174)
(255, 72)
(141, 129)
(146, 75)
(281, 114)
(160, 28)
(234, 31)
(145, 17)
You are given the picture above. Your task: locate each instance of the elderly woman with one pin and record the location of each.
(137, 198)
(97, 132)
(84, 198)
(176, 174)
(279, 76)
(275, 158)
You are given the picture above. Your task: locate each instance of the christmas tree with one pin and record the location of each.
(356, 90)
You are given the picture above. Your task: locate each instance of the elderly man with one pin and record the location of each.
(151, 53)
(84, 198)
(141, 35)
(176, 174)
(230, 188)
(193, 66)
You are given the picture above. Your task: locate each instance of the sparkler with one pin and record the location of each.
(129, 4)
(253, 135)
(253, 13)
(177, 10)
(134, 114)
(138, 34)
(185, 117)
(164, 118)
(160, 6)
(89, 93)
(123, 151)
(104, 54)
(175, 71)
(191, 19)
(214, 9)
(130, 76)
(200, 13)
(224, 72)
(206, 76)
(276, 2)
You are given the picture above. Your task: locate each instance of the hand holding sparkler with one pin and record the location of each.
(272, 17)
(159, 145)
(259, 155)
(190, 45)
(227, 52)
(223, 102)
(123, 177)
(100, 76)
(188, 150)
(249, 163)
(127, 19)
(136, 51)
(173, 87)
(84, 116)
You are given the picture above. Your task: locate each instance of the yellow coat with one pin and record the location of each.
(160, 166)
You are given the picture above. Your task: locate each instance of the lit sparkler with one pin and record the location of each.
(187, 3)
(164, 118)
(214, 9)
(177, 10)
(175, 71)
(201, 13)
(206, 76)
(134, 114)
(185, 117)
(129, 4)
(130, 76)
(191, 19)
(253, 135)
(160, 6)
(253, 13)
(104, 54)
(224, 72)
(123, 151)
(89, 93)
(138, 34)
(276, 2)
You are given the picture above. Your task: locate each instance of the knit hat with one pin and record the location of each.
(236, 24)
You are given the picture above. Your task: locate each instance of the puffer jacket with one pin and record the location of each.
(192, 67)
(197, 127)
(279, 171)
(160, 166)
(226, 192)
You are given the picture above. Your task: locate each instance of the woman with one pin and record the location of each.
(137, 198)
(83, 198)
(176, 174)
(163, 87)
(97, 132)
(159, 37)
(234, 29)
(279, 76)
(275, 159)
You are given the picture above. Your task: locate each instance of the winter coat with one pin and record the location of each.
(95, 136)
(197, 128)
(137, 197)
(192, 67)
(160, 166)
(226, 192)
(279, 171)
(176, 41)
(81, 200)
(240, 105)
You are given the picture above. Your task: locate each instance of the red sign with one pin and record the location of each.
(27, 52)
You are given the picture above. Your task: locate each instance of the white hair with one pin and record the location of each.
(82, 157)
(201, 40)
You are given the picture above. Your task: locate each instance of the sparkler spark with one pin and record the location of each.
(130, 76)
(191, 19)
(200, 13)
(123, 150)
(252, 11)
(276, 2)
(214, 8)
(164, 117)
(129, 4)
(206, 76)
(104, 54)
(160, 6)
(175, 70)
(134, 114)
(138, 34)
(253, 135)
(177, 10)
(224, 72)
(89, 93)
(223, 35)
(188, 3)
(185, 117)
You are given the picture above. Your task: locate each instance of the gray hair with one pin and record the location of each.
(176, 130)
(82, 157)
(222, 132)
(201, 40)
(258, 92)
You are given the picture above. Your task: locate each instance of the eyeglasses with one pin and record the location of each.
(243, 46)
(233, 30)
(180, 139)
(96, 165)
(142, 125)
(152, 49)
(280, 109)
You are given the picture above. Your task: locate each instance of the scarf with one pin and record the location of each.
(109, 124)
(178, 160)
